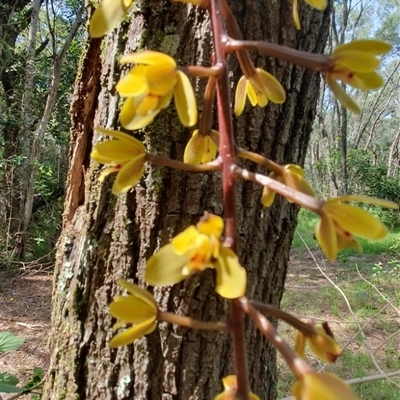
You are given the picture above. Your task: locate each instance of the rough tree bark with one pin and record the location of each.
(106, 237)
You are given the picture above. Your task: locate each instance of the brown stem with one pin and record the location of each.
(245, 62)
(199, 71)
(227, 153)
(315, 62)
(205, 124)
(295, 363)
(168, 162)
(306, 329)
(260, 160)
(189, 322)
(297, 197)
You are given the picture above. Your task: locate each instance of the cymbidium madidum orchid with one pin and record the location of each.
(138, 309)
(200, 149)
(291, 175)
(194, 250)
(124, 155)
(321, 342)
(149, 88)
(107, 16)
(259, 88)
(355, 64)
(319, 386)
(340, 222)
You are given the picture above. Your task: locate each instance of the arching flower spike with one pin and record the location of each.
(230, 389)
(138, 309)
(194, 250)
(340, 222)
(107, 16)
(259, 88)
(355, 64)
(125, 155)
(149, 88)
(293, 176)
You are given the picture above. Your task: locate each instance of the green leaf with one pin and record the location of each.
(37, 377)
(8, 383)
(9, 342)
(37, 371)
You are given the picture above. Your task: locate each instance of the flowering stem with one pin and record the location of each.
(245, 62)
(314, 62)
(199, 71)
(227, 153)
(189, 322)
(205, 123)
(295, 363)
(305, 328)
(297, 197)
(168, 162)
(259, 159)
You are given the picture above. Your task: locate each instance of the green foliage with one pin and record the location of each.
(8, 382)
(9, 342)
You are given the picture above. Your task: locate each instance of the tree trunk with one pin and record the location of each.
(13, 19)
(107, 237)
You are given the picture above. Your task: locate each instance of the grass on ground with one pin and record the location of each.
(359, 296)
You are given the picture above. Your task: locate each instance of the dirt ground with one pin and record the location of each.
(25, 307)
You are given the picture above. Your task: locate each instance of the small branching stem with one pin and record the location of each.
(314, 62)
(260, 160)
(199, 71)
(297, 197)
(295, 363)
(245, 62)
(306, 329)
(189, 322)
(206, 120)
(168, 162)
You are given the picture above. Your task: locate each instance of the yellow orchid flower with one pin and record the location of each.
(339, 222)
(107, 16)
(138, 309)
(125, 155)
(149, 88)
(193, 250)
(293, 176)
(259, 88)
(355, 64)
(322, 343)
(317, 4)
(318, 386)
(230, 388)
(200, 149)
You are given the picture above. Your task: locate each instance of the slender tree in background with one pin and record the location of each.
(33, 33)
(357, 152)
(107, 237)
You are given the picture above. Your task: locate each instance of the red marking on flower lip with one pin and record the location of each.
(350, 75)
(331, 357)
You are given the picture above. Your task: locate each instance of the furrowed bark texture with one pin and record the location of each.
(107, 237)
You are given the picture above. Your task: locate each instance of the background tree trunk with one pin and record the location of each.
(106, 237)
